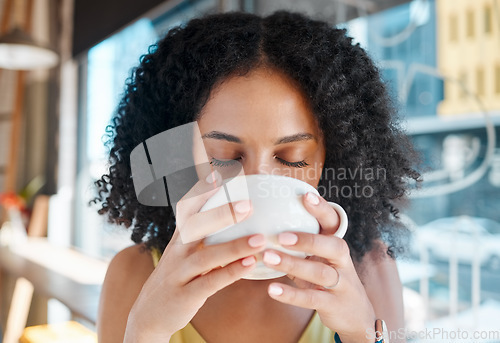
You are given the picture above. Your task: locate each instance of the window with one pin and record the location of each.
(449, 89)
(456, 146)
(462, 85)
(453, 28)
(108, 64)
(488, 20)
(497, 79)
(470, 24)
(480, 82)
(105, 69)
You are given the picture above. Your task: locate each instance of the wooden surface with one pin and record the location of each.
(60, 273)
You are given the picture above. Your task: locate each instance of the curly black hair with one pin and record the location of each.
(350, 101)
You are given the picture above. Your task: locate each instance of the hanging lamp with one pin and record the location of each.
(18, 51)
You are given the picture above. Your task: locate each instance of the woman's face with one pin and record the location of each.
(263, 121)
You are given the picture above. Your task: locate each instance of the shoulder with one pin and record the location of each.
(133, 259)
(127, 272)
(129, 269)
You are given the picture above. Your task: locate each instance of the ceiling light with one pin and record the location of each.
(18, 51)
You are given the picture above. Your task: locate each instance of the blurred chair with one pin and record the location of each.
(23, 289)
(64, 332)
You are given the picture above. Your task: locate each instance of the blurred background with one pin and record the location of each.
(440, 59)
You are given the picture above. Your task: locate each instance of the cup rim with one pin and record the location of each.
(274, 177)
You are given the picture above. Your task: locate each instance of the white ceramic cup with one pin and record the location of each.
(277, 207)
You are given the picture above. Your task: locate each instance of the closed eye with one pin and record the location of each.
(224, 163)
(299, 164)
(227, 163)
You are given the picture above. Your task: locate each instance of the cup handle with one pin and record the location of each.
(343, 219)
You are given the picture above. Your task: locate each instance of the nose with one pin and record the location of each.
(258, 164)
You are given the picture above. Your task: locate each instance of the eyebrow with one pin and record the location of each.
(222, 136)
(233, 139)
(295, 138)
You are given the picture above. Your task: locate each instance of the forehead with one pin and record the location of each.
(264, 102)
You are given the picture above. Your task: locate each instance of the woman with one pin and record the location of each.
(282, 94)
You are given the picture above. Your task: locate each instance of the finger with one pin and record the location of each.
(198, 195)
(213, 281)
(306, 298)
(214, 256)
(327, 217)
(176, 242)
(314, 272)
(334, 249)
(202, 224)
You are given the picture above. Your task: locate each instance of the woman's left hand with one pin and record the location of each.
(327, 280)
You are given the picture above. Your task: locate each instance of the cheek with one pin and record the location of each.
(310, 174)
(314, 175)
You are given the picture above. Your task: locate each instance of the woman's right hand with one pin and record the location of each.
(188, 273)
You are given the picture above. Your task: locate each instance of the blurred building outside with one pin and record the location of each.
(441, 61)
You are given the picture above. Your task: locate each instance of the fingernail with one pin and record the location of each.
(248, 261)
(256, 241)
(312, 198)
(271, 258)
(213, 177)
(287, 238)
(275, 290)
(242, 206)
